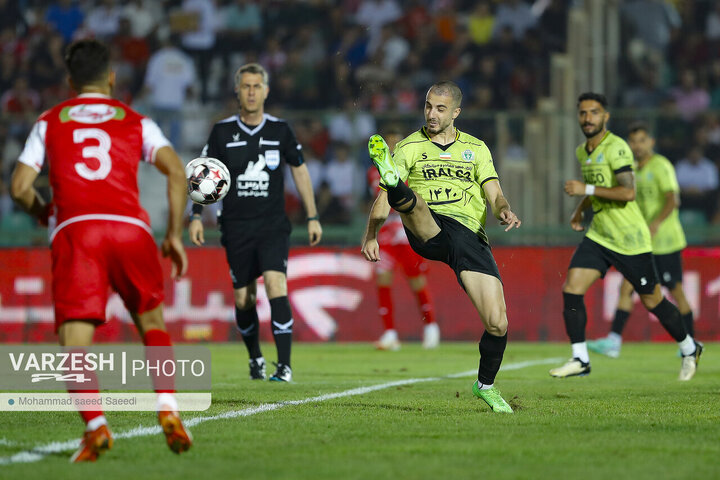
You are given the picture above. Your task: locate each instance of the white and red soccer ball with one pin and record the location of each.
(208, 180)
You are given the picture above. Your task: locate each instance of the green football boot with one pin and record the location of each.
(380, 155)
(493, 398)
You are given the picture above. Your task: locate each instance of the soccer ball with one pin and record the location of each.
(208, 180)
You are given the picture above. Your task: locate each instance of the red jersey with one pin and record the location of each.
(392, 231)
(93, 144)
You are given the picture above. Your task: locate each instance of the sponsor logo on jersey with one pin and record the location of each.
(272, 159)
(91, 113)
(468, 155)
(599, 158)
(255, 181)
(236, 137)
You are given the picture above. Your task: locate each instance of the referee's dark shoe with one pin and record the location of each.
(257, 368)
(283, 373)
(572, 368)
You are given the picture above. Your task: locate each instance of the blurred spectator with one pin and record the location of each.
(274, 56)
(9, 70)
(201, 42)
(415, 19)
(373, 14)
(143, 17)
(650, 25)
(168, 83)
(65, 17)
(20, 101)
(481, 23)
(341, 175)
(646, 95)
(11, 16)
(690, 99)
(698, 180)
(103, 19)
(241, 30)
(351, 125)
(515, 14)
(712, 24)
(553, 24)
(10, 149)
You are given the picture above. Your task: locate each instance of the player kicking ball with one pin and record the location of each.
(101, 236)
(450, 180)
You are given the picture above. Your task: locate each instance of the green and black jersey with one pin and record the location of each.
(616, 225)
(449, 178)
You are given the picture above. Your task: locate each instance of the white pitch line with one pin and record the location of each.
(39, 452)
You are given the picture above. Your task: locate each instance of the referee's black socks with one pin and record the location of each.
(247, 322)
(492, 349)
(281, 320)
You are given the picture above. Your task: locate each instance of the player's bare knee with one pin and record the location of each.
(246, 301)
(496, 323)
(651, 300)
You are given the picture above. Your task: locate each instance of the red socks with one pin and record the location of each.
(385, 307)
(426, 306)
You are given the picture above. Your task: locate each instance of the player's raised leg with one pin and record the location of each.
(76, 334)
(152, 329)
(578, 282)
(413, 210)
(281, 322)
(246, 318)
(610, 345)
(486, 293)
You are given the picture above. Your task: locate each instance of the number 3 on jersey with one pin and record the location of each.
(100, 152)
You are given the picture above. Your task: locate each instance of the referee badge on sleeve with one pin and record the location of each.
(272, 159)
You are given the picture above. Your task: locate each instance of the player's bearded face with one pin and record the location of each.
(251, 92)
(592, 118)
(440, 112)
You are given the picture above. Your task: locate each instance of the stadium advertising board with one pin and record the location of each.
(333, 296)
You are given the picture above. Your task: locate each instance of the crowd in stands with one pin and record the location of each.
(355, 60)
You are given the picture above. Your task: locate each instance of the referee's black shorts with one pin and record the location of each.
(255, 246)
(456, 245)
(639, 270)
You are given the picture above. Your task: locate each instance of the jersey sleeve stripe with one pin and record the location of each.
(153, 140)
(626, 168)
(488, 179)
(382, 186)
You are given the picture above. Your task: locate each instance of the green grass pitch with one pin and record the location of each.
(630, 418)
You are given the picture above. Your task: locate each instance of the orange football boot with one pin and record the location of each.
(178, 439)
(93, 444)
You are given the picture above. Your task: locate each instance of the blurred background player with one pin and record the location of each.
(617, 236)
(395, 250)
(100, 235)
(658, 199)
(451, 181)
(255, 229)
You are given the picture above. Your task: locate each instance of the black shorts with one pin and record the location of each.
(255, 246)
(669, 268)
(639, 270)
(456, 245)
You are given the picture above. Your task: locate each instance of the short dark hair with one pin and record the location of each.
(87, 61)
(639, 127)
(448, 88)
(255, 68)
(598, 97)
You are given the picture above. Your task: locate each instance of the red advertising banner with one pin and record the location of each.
(333, 296)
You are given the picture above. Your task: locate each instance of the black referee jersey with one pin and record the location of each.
(255, 157)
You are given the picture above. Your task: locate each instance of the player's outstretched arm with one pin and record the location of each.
(500, 205)
(378, 214)
(624, 192)
(167, 161)
(301, 177)
(25, 195)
